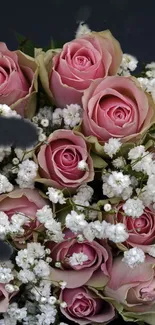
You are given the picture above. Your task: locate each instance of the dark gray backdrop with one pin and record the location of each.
(131, 21)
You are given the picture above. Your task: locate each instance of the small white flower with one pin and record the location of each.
(112, 146)
(44, 214)
(133, 208)
(42, 137)
(6, 275)
(150, 66)
(116, 184)
(75, 222)
(119, 162)
(58, 265)
(129, 62)
(107, 207)
(6, 111)
(133, 257)
(62, 284)
(26, 174)
(56, 196)
(82, 30)
(82, 165)
(45, 122)
(9, 288)
(116, 233)
(5, 185)
(42, 269)
(78, 259)
(26, 276)
(52, 300)
(57, 116)
(151, 251)
(72, 115)
(63, 304)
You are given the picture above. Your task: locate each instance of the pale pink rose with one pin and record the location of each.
(18, 80)
(58, 160)
(116, 107)
(4, 298)
(81, 61)
(85, 307)
(135, 288)
(93, 272)
(141, 230)
(24, 201)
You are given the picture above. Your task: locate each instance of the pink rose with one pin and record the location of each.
(25, 201)
(4, 298)
(80, 61)
(141, 230)
(18, 81)
(116, 107)
(93, 272)
(134, 288)
(58, 160)
(85, 307)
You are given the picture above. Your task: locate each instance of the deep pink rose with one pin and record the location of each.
(26, 201)
(116, 107)
(4, 298)
(134, 288)
(18, 84)
(141, 230)
(93, 272)
(58, 160)
(85, 307)
(81, 61)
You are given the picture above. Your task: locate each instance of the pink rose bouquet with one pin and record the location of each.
(77, 209)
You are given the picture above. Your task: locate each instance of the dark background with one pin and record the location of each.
(131, 21)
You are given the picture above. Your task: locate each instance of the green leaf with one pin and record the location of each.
(25, 45)
(113, 200)
(62, 211)
(125, 148)
(98, 162)
(149, 144)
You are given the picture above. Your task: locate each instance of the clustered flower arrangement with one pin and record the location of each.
(78, 208)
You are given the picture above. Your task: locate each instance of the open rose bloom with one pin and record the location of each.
(116, 107)
(141, 230)
(18, 81)
(58, 160)
(84, 306)
(134, 290)
(93, 272)
(27, 202)
(79, 62)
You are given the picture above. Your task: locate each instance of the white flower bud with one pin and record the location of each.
(52, 300)
(9, 288)
(58, 265)
(107, 207)
(43, 300)
(63, 304)
(62, 284)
